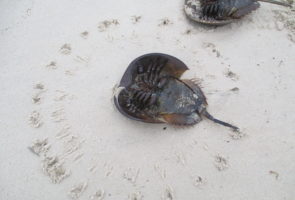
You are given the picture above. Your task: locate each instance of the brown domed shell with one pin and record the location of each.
(167, 66)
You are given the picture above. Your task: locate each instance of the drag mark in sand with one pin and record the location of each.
(233, 76)
(198, 181)
(54, 168)
(106, 24)
(35, 119)
(77, 190)
(160, 171)
(135, 196)
(99, 195)
(39, 88)
(165, 22)
(58, 115)
(65, 49)
(131, 175)
(52, 65)
(84, 34)
(135, 19)
(40, 147)
(221, 163)
(168, 194)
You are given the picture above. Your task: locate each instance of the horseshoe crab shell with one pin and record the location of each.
(221, 12)
(151, 91)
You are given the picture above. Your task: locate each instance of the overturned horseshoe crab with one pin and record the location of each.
(151, 91)
(220, 12)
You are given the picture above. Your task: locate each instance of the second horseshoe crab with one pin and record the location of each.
(151, 91)
(220, 12)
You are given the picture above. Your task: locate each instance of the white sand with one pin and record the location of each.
(247, 72)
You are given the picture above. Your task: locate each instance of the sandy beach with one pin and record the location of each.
(63, 138)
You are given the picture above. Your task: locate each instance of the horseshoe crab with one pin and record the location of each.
(151, 91)
(220, 12)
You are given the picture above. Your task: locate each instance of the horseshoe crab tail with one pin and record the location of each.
(277, 2)
(210, 117)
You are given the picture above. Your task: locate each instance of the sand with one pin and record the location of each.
(62, 137)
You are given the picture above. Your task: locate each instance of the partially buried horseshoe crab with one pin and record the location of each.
(220, 12)
(151, 91)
